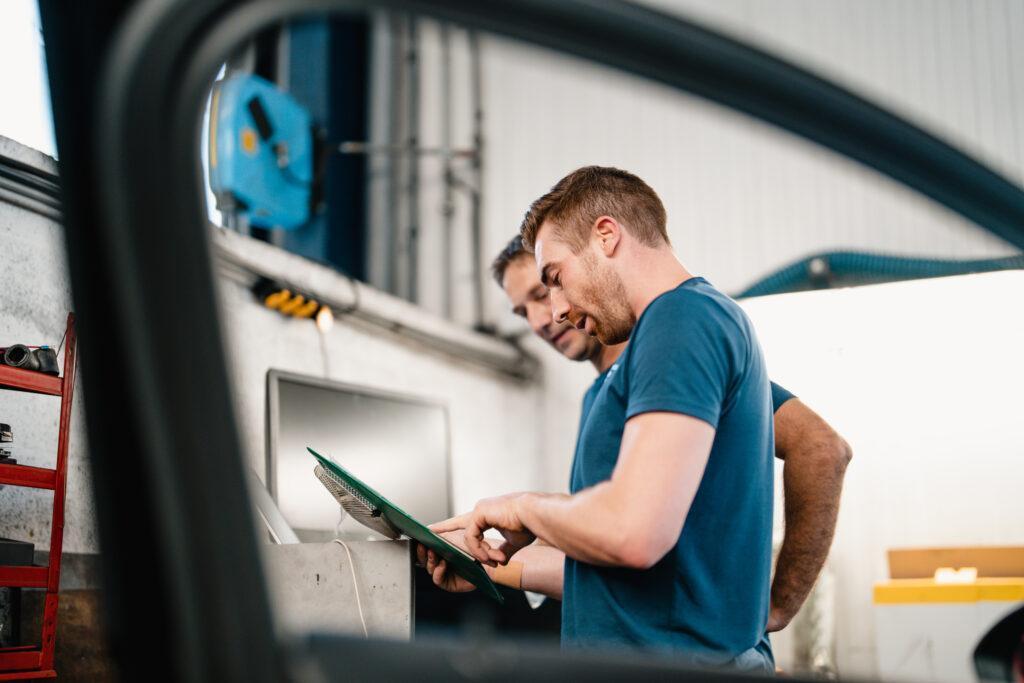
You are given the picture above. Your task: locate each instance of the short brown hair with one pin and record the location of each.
(588, 193)
(513, 250)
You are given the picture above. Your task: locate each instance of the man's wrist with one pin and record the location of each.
(524, 508)
(779, 617)
(510, 575)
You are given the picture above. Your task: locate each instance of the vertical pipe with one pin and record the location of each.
(448, 206)
(477, 165)
(380, 173)
(394, 254)
(282, 67)
(413, 162)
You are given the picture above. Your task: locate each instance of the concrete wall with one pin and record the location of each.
(309, 582)
(491, 450)
(34, 303)
(496, 420)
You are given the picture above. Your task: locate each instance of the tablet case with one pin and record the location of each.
(378, 513)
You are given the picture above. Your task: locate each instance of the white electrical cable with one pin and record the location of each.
(321, 334)
(355, 585)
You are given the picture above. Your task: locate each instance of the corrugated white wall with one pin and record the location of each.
(954, 66)
(744, 198)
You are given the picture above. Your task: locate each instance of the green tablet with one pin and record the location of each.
(378, 513)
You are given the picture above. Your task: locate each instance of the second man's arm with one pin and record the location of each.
(816, 458)
(537, 568)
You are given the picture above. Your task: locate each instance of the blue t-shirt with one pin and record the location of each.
(693, 351)
(780, 395)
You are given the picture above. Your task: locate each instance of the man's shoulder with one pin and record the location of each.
(695, 304)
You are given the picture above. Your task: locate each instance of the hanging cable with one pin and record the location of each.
(355, 585)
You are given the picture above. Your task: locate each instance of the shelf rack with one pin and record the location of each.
(30, 661)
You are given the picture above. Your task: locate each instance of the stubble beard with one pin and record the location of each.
(606, 294)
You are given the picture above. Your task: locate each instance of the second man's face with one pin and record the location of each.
(529, 299)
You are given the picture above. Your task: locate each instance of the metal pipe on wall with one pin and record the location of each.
(412, 187)
(476, 220)
(394, 134)
(401, 148)
(244, 260)
(448, 203)
(379, 167)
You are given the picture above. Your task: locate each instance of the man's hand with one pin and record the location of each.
(541, 572)
(438, 568)
(501, 514)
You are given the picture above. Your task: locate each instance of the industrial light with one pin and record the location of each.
(325, 319)
(281, 298)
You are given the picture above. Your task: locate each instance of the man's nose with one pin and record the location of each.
(559, 307)
(538, 316)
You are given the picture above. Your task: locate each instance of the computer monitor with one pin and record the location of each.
(397, 444)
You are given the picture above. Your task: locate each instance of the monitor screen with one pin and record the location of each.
(396, 444)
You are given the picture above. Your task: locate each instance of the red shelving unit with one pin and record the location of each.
(26, 662)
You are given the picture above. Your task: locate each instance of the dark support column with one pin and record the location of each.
(346, 173)
(308, 80)
(327, 73)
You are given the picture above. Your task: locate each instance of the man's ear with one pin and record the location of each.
(608, 233)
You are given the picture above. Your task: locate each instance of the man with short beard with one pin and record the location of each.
(815, 459)
(667, 529)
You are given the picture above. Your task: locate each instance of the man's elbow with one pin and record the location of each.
(824, 452)
(847, 452)
(842, 453)
(642, 550)
(837, 452)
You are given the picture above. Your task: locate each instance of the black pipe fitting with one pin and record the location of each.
(40, 360)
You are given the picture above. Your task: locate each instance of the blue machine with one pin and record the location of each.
(261, 153)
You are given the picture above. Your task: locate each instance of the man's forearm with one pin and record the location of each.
(582, 526)
(542, 567)
(812, 481)
(631, 520)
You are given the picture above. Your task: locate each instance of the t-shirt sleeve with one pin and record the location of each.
(780, 395)
(683, 360)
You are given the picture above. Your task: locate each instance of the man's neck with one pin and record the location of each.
(604, 358)
(660, 271)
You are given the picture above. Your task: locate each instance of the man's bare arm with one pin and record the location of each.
(631, 520)
(543, 568)
(816, 458)
(540, 569)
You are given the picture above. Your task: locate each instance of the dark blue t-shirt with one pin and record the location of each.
(779, 396)
(693, 351)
